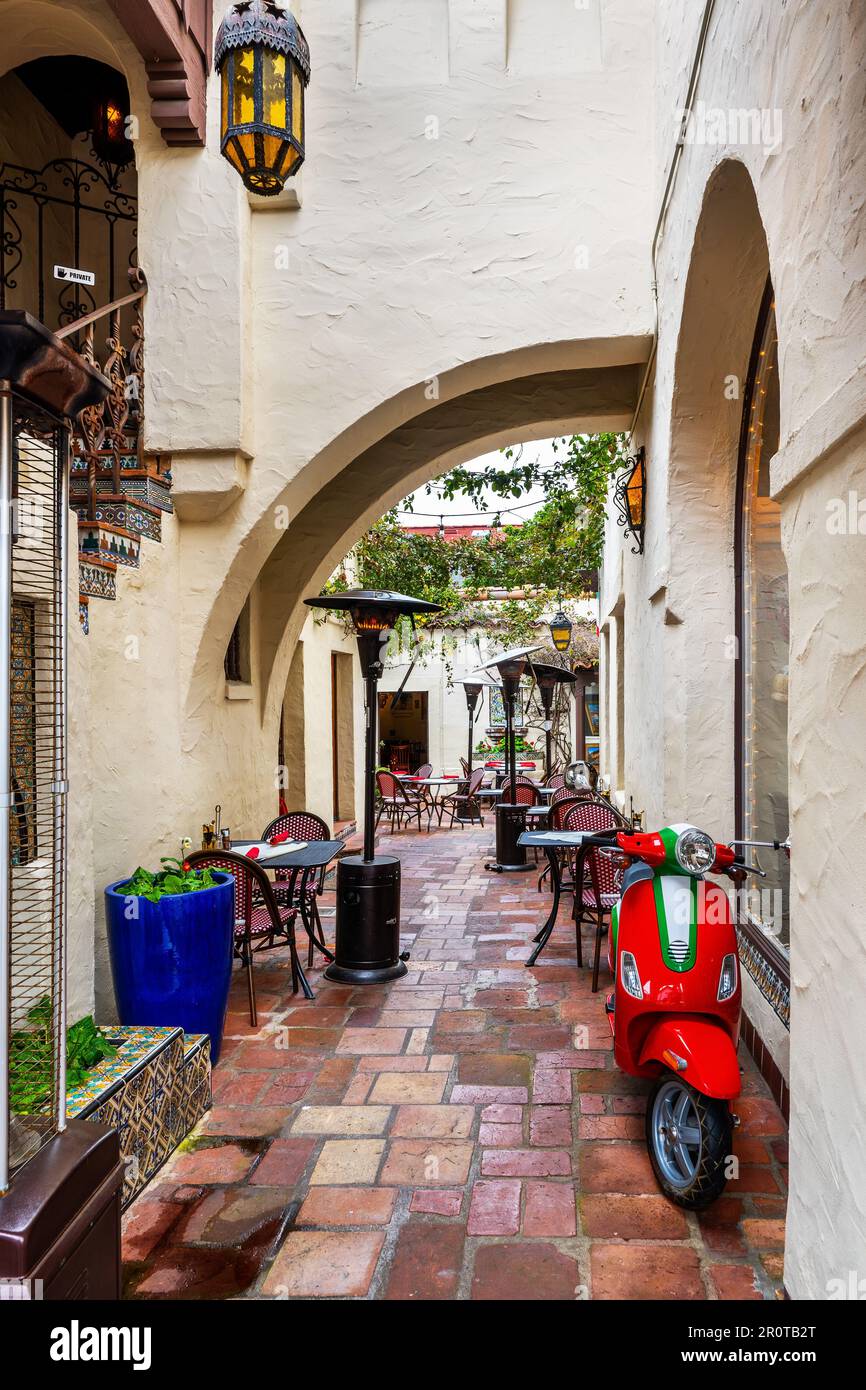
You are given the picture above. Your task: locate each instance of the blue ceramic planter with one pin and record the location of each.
(172, 963)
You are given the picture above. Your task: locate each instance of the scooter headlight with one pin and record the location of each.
(727, 978)
(695, 851)
(628, 973)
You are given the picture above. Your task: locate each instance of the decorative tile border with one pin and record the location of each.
(775, 990)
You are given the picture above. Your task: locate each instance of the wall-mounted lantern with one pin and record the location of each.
(264, 63)
(629, 495)
(109, 136)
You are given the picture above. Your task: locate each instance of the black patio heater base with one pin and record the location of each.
(368, 885)
(510, 856)
(368, 922)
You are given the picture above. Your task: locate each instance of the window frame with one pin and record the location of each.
(758, 940)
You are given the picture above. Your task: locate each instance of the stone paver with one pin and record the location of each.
(348, 1161)
(461, 1133)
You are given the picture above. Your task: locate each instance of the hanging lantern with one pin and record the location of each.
(560, 631)
(264, 63)
(629, 497)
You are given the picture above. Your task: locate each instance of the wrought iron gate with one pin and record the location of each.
(72, 212)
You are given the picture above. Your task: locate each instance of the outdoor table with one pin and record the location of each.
(443, 781)
(549, 792)
(551, 841)
(315, 855)
(537, 812)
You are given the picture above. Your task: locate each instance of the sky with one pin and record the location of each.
(429, 507)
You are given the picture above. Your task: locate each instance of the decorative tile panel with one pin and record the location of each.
(95, 579)
(109, 542)
(153, 1091)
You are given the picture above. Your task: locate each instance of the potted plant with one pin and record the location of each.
(32, 1066)
(170, 940)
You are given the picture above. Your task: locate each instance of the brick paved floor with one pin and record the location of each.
(460, 1133)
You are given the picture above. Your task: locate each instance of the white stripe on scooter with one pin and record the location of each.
(677, 898)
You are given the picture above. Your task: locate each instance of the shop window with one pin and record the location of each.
(763, 636)
(590, 724)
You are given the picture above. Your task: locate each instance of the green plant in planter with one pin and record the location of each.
(497, 748)
(31, 1057)
(178, 878)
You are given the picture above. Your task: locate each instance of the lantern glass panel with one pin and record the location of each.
(244, 93)
(274, 90)
(634, 493)
(224, 77)
(247, 145)
(272, 146)
(297, 106)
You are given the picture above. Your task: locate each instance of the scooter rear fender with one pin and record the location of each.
(705, 1047)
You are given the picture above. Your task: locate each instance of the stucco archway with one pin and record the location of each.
(727, 273)
(370, 467)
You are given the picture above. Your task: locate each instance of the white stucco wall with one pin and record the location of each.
(678, 598)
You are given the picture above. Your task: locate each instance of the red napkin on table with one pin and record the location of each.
(279, 839)
(253, 852)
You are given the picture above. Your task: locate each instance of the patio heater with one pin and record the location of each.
(549, 679)
(474, 687)
(60, 1179)
(368, 885)
(510, 820)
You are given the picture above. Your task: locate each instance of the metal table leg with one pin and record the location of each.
(543, 936)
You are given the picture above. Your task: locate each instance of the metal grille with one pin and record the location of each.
(32, 773)
(78, 208)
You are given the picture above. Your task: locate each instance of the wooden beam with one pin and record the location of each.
(174, 40)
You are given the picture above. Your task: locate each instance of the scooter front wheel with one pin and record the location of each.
(689, 1139)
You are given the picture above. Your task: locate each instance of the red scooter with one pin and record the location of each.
(675, 1008)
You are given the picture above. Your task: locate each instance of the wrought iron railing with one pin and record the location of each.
(104, 434)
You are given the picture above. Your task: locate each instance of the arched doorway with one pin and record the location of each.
(726, 593)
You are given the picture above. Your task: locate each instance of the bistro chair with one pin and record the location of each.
(303, 826)
(465, 798)
(595, 878)
(564, 793)
(559, 809)
(395, 802)
(555, 780)
(525, 793)
(426, 794)
(258, 916)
